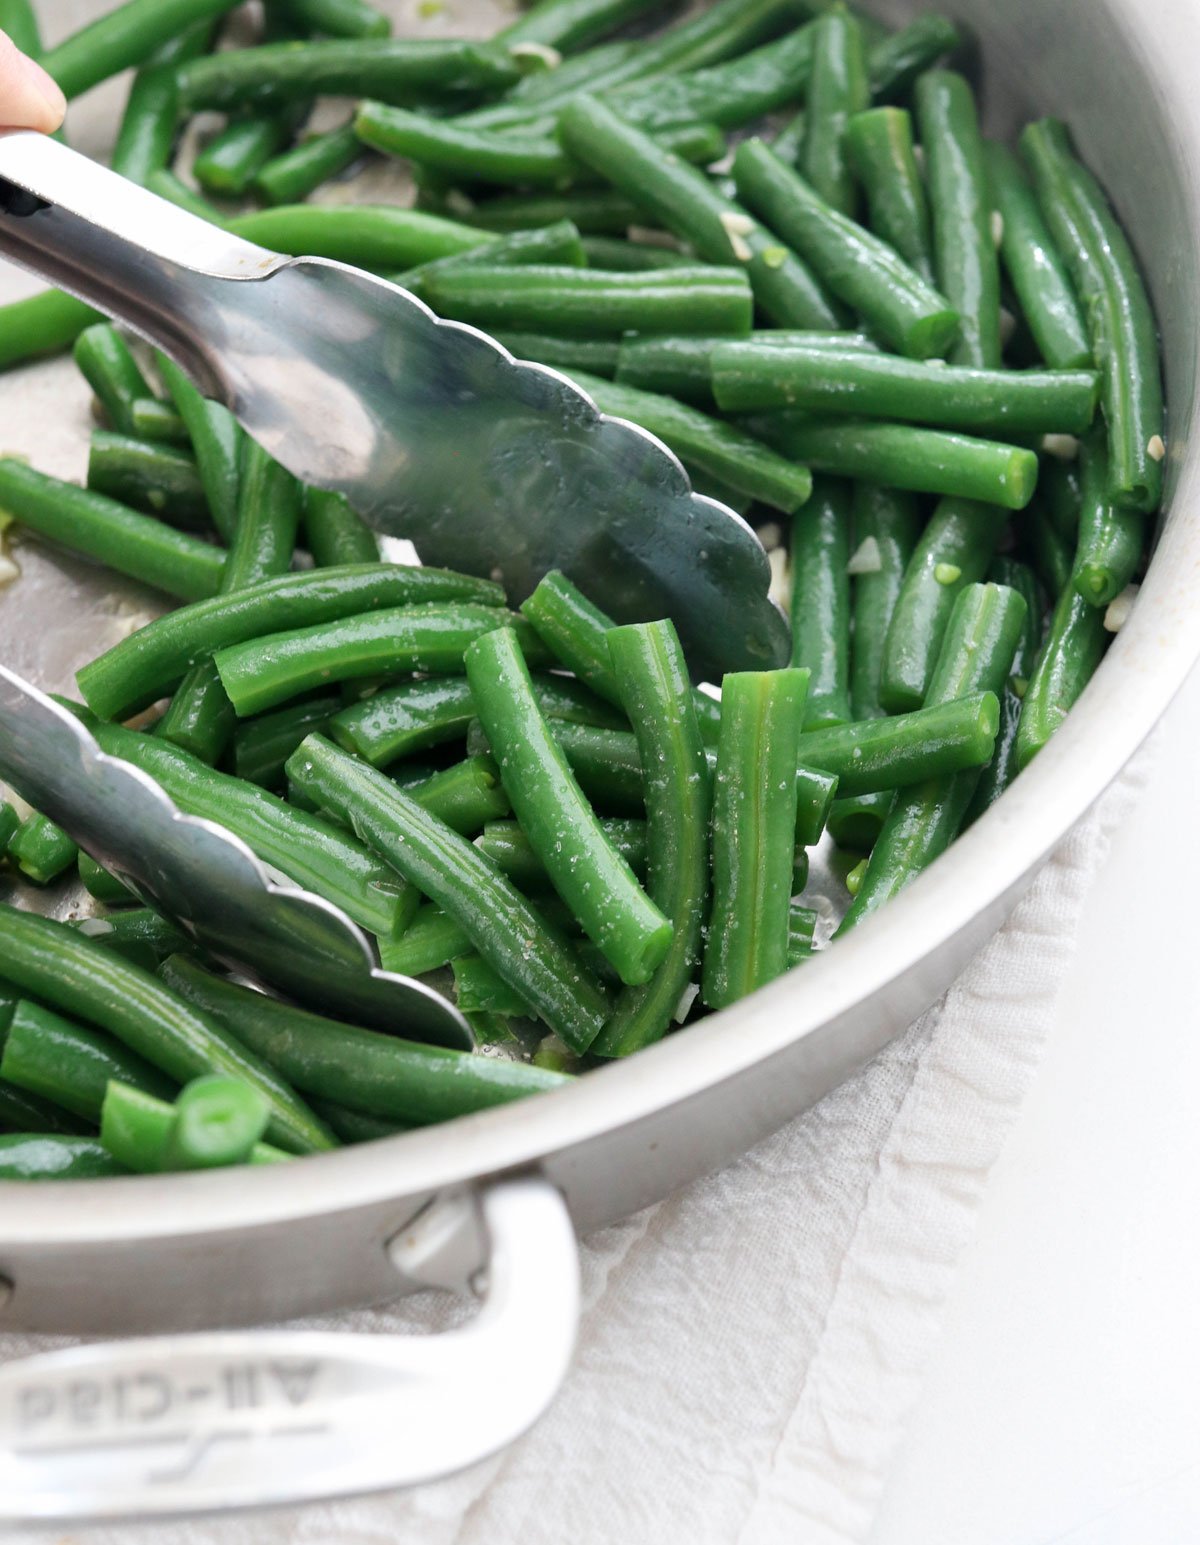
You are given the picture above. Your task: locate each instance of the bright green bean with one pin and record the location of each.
(124, 37)
(376, 237)
(1002, 768)
(101, 885)
(71, 1064)
(41, 850)
(233, 158)
(150, 123)
(510, 850)
(886, 526)
(880, 146)
(108, 367)
(216, 438)
(838, 89)
(1072, 649)
(46, 323)
(682, 367)
(290, 177)
(820, 607)
(572, 24)
(898, 60)
(597, 356)
(218, 1121)
(877, 755)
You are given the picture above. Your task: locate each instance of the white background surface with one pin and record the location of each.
(1063, 1400)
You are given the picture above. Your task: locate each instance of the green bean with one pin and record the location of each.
(1002, 768)
(754, 815)
(980, 641)
(857, 267)
(588, 303)
(172, 188)
(218, 1122)
(820, 551)
(466, 796)
(718, 449)
(692, 208)
(898, 60)
(261, 746)
(151, 662)
(353, 1126)
(143, 1134)
(335, 534)
(965, 261)
(839, 89)
(400, 720)
(216, 438)
(591, 210)
(46, 323)
(150, 123)
(1110, 537)
(934, 461)
(152, 419)
(855, 823)
(100, 884)
(572, 24)
(160, 480)
(1053, 556)
(290, 177)
(1072, 649)
(620, 256)
(597, 356)
(1059, 486)
(24, 1157)
(953, 553)
(124, 37)
(41, 850)
(336, 18)
(369, 236)
(751, 376)
(1034, 265)
(530, 955)
(877, 755)
(1120, 318)
(362, 1070)
(587, 872)
(509, 849)
(9, 821)
(140, 933)
(556, 243)
(386, 69)
(69, 973)
(233, 158)
(108, 367)
(481, 993)
(658, 698)
(19, 20)
(71, 1064)
(682, 367)
(22, 1113)
(886, 526)
(100, 528)
(879, 143)
(432, 940)
(605, 764)
(536, 97)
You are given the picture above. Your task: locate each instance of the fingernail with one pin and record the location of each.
(47, 90)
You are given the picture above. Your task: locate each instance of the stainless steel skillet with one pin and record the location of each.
(226, 1249)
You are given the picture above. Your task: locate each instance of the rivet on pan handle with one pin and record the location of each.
(217, 1421)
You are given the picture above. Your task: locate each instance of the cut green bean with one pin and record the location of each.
(400, 720)
(898, 60)
(19, 20)
(41, 850)
(151, 662)
(376, 237)
(1059, 487)
(290, 177)
(44, 324)
(218, 1122)
(750, 377)
(466, 796)
(56, 964)
(362, 1070)
(1110, 537)
(101, 885)
(334, 533)
(839, 88)
(886, 526)
(152, 419)
(1002, 768)
(336, 18)
(754, 816)
(22, 1113)
(261, 746)
(717, 449)
(150, 124)
(820, 609)
(108, 367)
(431, 941)
(857, 267)
(880, 146)
(24, 1157)
(1124, 335)
(658, 697)
(596, 356)
(968, 272)
(122, 38)
(585, 869)
(876, 755)
(589, 303)
(619, 256)
(953, 553)
(1034, 265)
(855, 823)
(558, 243)
(501, 925)
(143, 1134)
(480, 991)
(934, 461)
(159, 480)
(233, 158)
(140, 933)
(9, 821)
(689, 205)
(682, 367)
(172, 188)
(89, 523)
(353, 1126)
(70, 1064)
(568, 25)
(1073, 647)
(385, 69)
(592, 211)
(979, 644)
(509, 849)
(216, 438)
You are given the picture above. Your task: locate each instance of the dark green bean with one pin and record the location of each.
(886, 526)
(353, 1126)
(754, 816)
(590, 210)
(980, 641)
(587, 872)
(1110, 537)
(751, 376)
(23, 1113)
(380, 1075)
(151, 662)
(108, 367)
(1035, 266)
(41, 850)
(953, 553)
(160, 480)
(839, 89)
(896, 61)
(289, 178)
(820, 608)
(336, 18)
(530, 955)
(658, 697)
(802, 923)
(261, 746)
(880, 146)
(71, 1064)
(9, 821)
(101, 885)
(1120, 318)
(877, 755)
(139, 933)
(965, 261)
(72, 974)
(689, 205)
(718, 449)
(597, 356)
(1072, 649)
(1059, 488)
(483, 994)
(124, 37)
(934, 461)
(51, 1157)
(1002, 768)
(44, 324)
(89, 523)
(860, 269)
(216, 440)
(1053, 555)
(377, 237)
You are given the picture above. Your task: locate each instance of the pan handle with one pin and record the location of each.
(213, 1421)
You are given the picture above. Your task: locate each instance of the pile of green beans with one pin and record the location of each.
(923, 363)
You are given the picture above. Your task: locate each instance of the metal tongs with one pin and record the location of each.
(436, 434)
